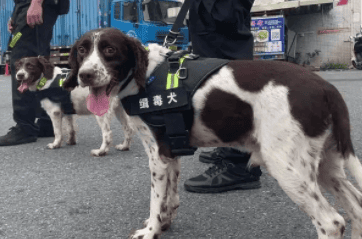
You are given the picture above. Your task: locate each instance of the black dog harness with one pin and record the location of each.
(56, 93)
(166, 101)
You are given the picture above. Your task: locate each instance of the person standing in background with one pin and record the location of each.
(35, 20)
(221, 29)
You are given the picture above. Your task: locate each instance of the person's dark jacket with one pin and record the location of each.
(221, 28)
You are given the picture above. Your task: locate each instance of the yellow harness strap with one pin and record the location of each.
(61, 81)
(173, 79)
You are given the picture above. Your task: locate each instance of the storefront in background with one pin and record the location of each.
(269, 37)
(317, 32)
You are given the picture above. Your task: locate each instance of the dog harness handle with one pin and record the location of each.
(171, 37)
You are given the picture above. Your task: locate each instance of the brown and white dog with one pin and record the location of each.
(29, 71)
(295, 124)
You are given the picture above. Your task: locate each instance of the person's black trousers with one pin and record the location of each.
(26, 107)
(221, 29)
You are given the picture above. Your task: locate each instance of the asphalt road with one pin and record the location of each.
(66, 193)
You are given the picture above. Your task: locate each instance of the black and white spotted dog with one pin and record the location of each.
(30, 71)
(295, 124)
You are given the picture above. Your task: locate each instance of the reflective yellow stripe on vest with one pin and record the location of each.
(173, 79)
(15, 39)
(61, 81)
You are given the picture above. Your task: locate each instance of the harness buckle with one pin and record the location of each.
(182, 73)
(192, 56)
(173, 66)
(170, 39)
(180, 145)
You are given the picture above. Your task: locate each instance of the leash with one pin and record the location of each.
(37, 39)
(176, 130)
(171, 37)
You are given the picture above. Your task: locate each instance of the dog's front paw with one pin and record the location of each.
(151, 229)
(98, 152)
(53, 146)
(123, 147)
(146, 233)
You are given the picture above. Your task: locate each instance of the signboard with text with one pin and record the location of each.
(269, 35)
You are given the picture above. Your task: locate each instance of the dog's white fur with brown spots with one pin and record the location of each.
(301, 158)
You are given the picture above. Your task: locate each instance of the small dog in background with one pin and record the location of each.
(38, 75)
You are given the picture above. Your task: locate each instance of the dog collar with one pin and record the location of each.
(41, 83)
(127, 80)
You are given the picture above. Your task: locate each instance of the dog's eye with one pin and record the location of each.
(109, 50)
(82, 50)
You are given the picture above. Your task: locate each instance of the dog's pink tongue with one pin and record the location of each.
(98, 103)
(23, 87)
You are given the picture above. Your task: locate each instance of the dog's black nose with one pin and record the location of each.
(87, 75)
(20, 76)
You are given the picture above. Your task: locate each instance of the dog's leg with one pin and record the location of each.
(55, 114)
(104, 124)
(69, 122)
(174, 200)
(169, 208)
(294, 165)
(127, 128)
(333, 178)
(164, 198)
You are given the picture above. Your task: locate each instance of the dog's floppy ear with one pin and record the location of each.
(71, 82)
(141, 62)
(48, 67)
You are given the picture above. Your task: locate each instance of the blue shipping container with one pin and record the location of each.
(84, 15)
(6, 10)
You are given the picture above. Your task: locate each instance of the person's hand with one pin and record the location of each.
(35, 13)
(10, 25)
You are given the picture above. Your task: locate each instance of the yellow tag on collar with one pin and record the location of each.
(41, 83)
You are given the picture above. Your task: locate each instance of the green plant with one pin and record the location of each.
(334, 66)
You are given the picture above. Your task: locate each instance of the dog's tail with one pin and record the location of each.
(342, 132)
(340, 118)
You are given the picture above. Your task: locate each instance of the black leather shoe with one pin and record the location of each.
(16, 136)
(45, 128)
(225, 176)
